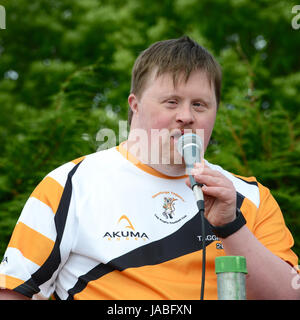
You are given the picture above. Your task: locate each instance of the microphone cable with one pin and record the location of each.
(189, 146)
(196, 187)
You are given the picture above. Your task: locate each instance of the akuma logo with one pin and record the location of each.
(122, 234)
(130, 226)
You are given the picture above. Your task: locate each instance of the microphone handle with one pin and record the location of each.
(196, 187)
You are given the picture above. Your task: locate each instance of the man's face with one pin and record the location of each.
(165, 112)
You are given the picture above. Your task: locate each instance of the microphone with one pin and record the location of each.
(190, 147)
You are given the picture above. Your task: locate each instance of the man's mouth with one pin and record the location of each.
(177, 133)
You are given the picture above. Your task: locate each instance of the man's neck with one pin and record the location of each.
(174, 170)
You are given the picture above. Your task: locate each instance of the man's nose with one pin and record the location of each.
(185, 115)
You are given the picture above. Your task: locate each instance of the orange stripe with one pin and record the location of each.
(33, 245)
(157, 282)
(48, 191)
(249, 179)
(76, 161)
(127, 155)
(8, 282)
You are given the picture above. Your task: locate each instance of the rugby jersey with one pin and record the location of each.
(106, 226)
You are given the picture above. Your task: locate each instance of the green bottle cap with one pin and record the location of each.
(230, 264)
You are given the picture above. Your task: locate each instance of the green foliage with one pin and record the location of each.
(65, 71)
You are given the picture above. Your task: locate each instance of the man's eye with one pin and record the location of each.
(172, 101)
(199, 104)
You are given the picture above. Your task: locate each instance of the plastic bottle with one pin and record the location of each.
(231, 277)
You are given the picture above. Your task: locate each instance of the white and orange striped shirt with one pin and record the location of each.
(106, 226)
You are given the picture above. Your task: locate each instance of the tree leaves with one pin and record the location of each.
(65, 71)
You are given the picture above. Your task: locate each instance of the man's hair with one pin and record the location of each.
(178, 57)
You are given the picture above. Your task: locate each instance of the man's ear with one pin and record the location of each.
(133, 103)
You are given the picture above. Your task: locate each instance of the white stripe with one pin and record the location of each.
(24, 271)
(40, 217)
(60, 174)
(46, 288)
(75, 266)
(15, 258)
(247, 190)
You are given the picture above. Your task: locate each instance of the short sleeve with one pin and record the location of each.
(34, 253)
(270, 228)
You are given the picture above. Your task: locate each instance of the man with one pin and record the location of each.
(123, 223)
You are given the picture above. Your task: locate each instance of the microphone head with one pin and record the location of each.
(190, 147)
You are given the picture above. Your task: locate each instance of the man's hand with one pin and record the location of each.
(269, 277)
(219, 195)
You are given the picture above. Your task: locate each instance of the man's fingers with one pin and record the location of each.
(210, 180)
(205, 170)
(221, 193)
